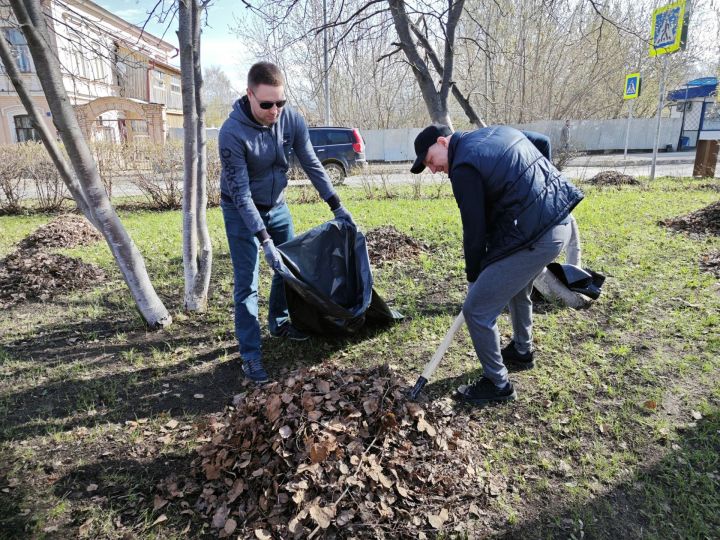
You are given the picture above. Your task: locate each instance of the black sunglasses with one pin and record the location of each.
(267, 105)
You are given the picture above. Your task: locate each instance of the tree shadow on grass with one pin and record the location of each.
(115, 392)
(677, 496)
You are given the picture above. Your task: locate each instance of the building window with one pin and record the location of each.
(24, 130)
(175, 85)
(19, 49)
(711, 122)
(159, 79)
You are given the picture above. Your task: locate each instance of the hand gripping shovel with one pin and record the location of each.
(433, 364)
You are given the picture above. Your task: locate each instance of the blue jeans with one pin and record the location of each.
(244, 252)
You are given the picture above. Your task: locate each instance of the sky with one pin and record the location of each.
(220, 47)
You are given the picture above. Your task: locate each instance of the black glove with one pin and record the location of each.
(342, 214)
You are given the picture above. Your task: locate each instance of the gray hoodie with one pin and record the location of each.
(254, 162)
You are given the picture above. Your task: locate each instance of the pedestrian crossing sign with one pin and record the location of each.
(632, 86)
(669, 29)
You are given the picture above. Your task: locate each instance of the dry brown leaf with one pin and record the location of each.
(84, 529)
(370, 406)
(344, 518)
(422, 425)
(160, 519)
(272, 408)
(308, 402)
(650, 404)
(322, 515)
(236, 490)
(438, 520)
(230, 526)
(318, 453)
(220, 517)
(294, 526)
(159, 502)
(322, 386)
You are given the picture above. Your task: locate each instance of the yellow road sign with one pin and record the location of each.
(669, 29)
(632, 86)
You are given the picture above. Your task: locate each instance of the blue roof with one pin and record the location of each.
(696, 88)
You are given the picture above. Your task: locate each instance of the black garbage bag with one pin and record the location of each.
(328, 281)
(579, 280)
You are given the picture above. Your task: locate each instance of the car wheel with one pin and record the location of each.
(335, 172)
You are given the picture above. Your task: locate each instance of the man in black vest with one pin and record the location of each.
(515, 210)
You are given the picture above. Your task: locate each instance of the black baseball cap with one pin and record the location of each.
(425, 139)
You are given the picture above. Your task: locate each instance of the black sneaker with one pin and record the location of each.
(290, 332)
(484, 391)
(515, 361)
(255, 371)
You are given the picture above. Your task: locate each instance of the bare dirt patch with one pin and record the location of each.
(613, 178)
(388, 244)
(66, 231)
(37, 275)
(703, 221)
(343, 452)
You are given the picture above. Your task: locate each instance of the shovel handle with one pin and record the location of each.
(440, 352)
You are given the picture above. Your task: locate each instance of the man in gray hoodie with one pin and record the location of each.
(254, 144)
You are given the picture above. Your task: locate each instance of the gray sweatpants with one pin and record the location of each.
(509, 282)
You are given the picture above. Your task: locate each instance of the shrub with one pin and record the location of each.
(157, 171)
(14, 159)
(50, 190)
(111, 159)
(213, 173)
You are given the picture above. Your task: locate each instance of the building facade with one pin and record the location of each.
(119, 78)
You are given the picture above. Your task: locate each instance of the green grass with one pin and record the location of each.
(584, 454)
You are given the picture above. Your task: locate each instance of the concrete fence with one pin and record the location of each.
(585, 136)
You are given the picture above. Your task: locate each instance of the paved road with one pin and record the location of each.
(582, 168)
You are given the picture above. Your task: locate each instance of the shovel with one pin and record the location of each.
(439, 353)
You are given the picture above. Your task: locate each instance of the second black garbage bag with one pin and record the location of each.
(329, 283)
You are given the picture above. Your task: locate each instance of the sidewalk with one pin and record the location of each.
(633, 159)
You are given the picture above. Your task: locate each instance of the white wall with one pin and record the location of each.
(585, 135)
(176, 134)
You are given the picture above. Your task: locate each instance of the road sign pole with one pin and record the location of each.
(659, 114)
(627, 128)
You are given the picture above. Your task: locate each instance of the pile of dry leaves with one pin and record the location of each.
(66, 231)
(31, 273)
(613, 178)
(703, 221)
(711, 263)
(388, 244)
(335, 453)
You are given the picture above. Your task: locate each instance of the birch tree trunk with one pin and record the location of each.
(32, 23)
(197, 249)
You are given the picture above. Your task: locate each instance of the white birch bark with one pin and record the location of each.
(197, 249)
(32, 23)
